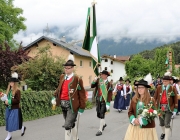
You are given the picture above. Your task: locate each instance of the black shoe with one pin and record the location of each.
(177, 113)
(162, 136)
(22, 134)
(104, 127)
(63, 126)
(99, 133)
(10, 138)
(120, 110)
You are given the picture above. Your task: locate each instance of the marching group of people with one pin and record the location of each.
(71, 97)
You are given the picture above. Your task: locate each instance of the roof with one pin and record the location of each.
(68, 46)
(123, 58)
(112, 58)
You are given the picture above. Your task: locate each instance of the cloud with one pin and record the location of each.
(137, 20)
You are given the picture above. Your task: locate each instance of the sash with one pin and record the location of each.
(103, 89)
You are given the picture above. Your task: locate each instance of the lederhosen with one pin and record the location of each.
(69, 116)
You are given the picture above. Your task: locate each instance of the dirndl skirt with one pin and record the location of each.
(119, 102)
(127, 101)
(13, 119)
(137, 133)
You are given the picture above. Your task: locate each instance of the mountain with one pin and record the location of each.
(126, 47)
(175, 47)
(110, 47)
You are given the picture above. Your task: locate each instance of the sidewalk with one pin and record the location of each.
(50, 128)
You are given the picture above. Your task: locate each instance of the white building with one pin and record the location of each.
(115, 65)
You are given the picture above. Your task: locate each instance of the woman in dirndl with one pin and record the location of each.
(13, 114)
(128, 92)
(119, 101)
(145, 131)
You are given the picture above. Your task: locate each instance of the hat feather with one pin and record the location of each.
(71, 57)
(168, 73)
(14, 75)
(148, 78)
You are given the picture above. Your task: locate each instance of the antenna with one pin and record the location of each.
(46, 31)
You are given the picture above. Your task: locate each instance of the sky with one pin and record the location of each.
(138, 20)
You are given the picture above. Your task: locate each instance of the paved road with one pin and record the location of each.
(50, 128)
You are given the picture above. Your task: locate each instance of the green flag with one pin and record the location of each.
(90, 42)
(167, 63)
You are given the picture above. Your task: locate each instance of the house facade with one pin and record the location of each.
(115, 66)
(62, 49)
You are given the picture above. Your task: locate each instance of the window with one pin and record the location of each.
(90, 79)
(90, 64)
(111, 71)
(81, 63)
(111, 62)
(106, 60)
(105, 68)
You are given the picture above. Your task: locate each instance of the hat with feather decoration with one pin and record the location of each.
(70, 61)
(167, 76)
(14, 77)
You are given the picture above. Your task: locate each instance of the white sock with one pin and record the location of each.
(101, 124)
(167, 131)
(67, 135)
(163, 129)
(22, 129)
(74, 133)
(104, 122)
(8, 136)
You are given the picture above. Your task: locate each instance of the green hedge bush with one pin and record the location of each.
(35, 105)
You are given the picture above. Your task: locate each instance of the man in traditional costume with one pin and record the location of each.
(71, 97)
(166, 100)
(120, 97)
(128, 92)
(103, 95)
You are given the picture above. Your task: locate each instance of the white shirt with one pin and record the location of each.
(130, 87)
(177, 88)
(124, 89)
(69, 76)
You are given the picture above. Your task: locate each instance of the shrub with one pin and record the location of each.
(34, 105)
(43, 71)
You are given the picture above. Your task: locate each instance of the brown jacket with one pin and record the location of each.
(15, 103)
(172, 100)
(109, 89)
(77, 98)
(133, 114)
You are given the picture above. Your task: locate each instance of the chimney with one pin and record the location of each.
(63, 39)
(114, 56)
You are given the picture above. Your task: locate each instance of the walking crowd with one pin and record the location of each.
(70, 95)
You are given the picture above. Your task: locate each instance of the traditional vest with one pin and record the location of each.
(127, 88)
(164, 98)
(120, 87)
(64, 90)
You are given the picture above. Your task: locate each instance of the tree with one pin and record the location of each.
(11, 21)
(160, 58)
(8, 59)
(43, 71)
(138, 66)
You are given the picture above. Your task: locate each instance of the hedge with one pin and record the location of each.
(35, 105)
